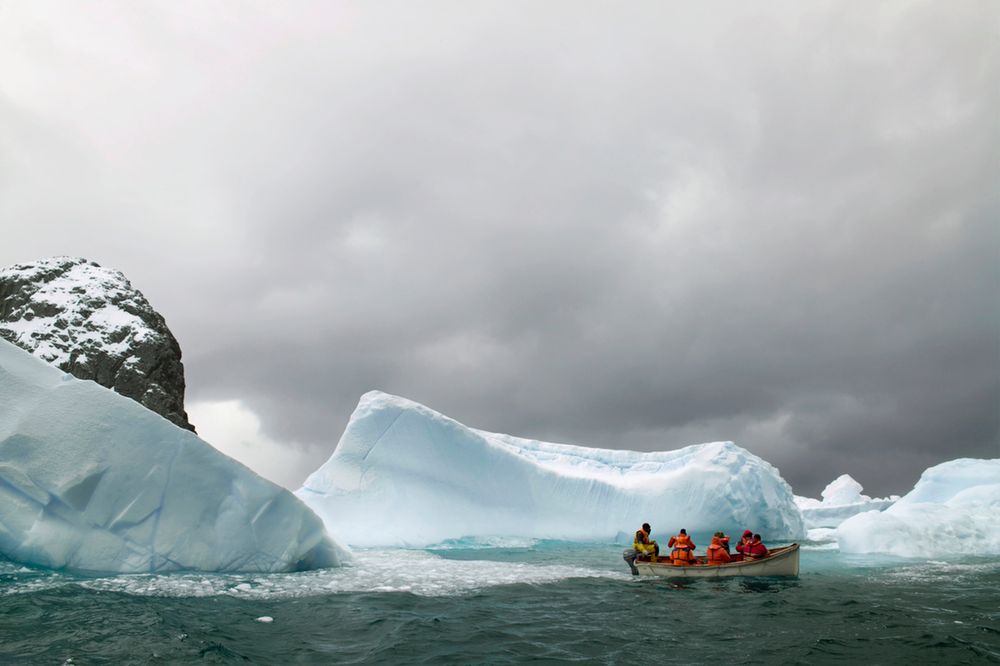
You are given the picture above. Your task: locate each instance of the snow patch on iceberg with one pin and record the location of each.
(90, 480)
(954, 510)
(842, 499)
(403, 474)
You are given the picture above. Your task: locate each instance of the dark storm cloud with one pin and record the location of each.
(641, 227)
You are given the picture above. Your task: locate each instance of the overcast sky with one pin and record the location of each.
(628, 225)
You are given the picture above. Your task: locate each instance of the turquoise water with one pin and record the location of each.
(509, 601)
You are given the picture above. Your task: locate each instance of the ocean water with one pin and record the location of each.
(509, 601)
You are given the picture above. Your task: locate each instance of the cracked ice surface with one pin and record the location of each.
(93, 481)
(404, 474)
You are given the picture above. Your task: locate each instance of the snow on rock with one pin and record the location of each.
(404, 474)
(954, 510)
(90, 480)
(92, 323)
(842, 499)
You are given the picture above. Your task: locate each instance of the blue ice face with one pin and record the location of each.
(424, 478)
(90, 480)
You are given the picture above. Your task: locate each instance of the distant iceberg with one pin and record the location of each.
(90, 480)
(953, 510)
(842, 499)
(404, 474)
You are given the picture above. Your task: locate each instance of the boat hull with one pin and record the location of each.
(782, 562)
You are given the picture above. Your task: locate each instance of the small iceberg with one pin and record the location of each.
(842, 499)
(953, 510)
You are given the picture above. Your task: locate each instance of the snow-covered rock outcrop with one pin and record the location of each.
(404, 474)
(90, 480)
(953, 510)
(842, 499)
(91, 322)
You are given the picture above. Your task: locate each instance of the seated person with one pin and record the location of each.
(683, 549)
(717, 553)
(745, 542)
(643, 545)
(756, 550)
(723, 540)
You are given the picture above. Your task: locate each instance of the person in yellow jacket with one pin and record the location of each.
(683, 549)
(643, 545)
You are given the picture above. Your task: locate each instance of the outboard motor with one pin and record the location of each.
(629, 556)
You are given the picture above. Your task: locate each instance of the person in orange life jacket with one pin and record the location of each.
(717, 553)
(756, 550)
(683, 553)
(723, 541)
(745, 542)
(643, 545)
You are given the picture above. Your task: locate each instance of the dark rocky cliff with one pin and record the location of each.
(90, 322)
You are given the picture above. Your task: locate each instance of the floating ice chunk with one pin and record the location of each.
(953, 510)
(267, 619)
(90, 480)
(403, 474)
(821, 538)
(843, 490)
(842, 499)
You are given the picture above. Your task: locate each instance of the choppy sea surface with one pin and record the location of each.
(498, 601)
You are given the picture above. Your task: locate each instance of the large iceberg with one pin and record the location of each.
(402, 474)
(842, 499)
(953, 510)
(90, 480)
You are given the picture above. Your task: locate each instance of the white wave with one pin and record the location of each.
(415, 572)
(936, 570)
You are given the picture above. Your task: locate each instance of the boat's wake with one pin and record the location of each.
(382, 571)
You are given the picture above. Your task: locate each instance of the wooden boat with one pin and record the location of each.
(783, 561)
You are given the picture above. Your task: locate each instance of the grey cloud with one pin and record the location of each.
(641, 227)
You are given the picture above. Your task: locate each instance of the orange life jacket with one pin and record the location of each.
(683, 552)
(717, 554)
(681, 541)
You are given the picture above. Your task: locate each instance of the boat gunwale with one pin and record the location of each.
(775, 554)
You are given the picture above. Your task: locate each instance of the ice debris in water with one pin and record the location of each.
(404, 474)
(93, 481)
(267, 619)
(954, 510)
(379, 570)
(842, 499)
(821, 538)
